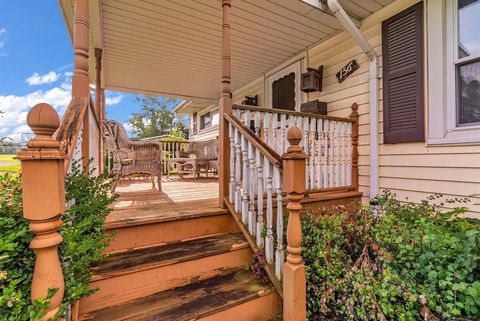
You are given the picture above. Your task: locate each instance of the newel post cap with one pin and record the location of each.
(294, 151)
(44, 122)
(43, 119)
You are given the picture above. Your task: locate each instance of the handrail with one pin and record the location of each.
(266, 150)
(69, 130)
(289, 112)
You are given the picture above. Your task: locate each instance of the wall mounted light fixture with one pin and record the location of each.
(312, 80)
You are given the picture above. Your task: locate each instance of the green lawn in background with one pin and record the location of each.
(8, 164)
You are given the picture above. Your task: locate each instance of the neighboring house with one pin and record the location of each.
(429, 126)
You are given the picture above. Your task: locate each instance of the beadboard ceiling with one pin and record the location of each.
(172, 47)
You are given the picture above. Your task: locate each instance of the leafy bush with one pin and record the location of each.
(84, 241)
(413, 262)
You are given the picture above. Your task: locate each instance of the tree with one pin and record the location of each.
(156, 118)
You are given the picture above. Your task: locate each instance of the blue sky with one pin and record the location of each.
(36, 65)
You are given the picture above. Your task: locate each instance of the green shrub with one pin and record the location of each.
(414, 262)
(83, 242)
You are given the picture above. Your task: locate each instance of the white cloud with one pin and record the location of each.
(15, 108)
(3, 41)
(128, 128)
(113, 100)
(37, 79)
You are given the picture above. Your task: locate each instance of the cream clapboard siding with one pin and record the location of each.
(254, 88)
(411, 170)
(207, 133)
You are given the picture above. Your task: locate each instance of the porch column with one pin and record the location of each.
(225, 106)
(99, 107)
(294, 278)
(43, 189)
(80, 81)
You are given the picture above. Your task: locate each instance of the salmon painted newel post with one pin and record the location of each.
(43, 186)
(294, 278)
(225, 106)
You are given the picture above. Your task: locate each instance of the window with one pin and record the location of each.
(467, 62)
(209, 119)
(453, 71)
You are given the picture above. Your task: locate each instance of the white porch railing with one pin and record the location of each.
(327, 142)
(256, 193)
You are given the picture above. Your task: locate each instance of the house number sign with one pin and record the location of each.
(347, 70)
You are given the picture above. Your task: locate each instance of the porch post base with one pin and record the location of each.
(294, 292)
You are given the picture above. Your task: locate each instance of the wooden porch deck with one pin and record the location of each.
(140, 204)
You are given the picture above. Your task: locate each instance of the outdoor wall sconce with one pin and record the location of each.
(312, 80)
(250, 100)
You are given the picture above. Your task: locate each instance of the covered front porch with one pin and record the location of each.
(193, 237)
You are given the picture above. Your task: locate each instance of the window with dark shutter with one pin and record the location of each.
(403, 103)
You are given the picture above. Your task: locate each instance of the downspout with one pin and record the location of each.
(350, 27)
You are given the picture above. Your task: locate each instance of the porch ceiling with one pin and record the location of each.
(172, 47)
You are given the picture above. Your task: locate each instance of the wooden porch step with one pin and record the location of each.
(137, 273)
(233, 295)
(135, 232)
(168, 254)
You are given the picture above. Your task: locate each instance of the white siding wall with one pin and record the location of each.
(412, 170)
(207, 133)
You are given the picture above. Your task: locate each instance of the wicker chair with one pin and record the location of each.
(200, 157)
(132, 157)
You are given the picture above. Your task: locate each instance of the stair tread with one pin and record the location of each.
(189, 302)
(166, 254)
(147, 214)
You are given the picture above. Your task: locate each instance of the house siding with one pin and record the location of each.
(207, 133)
(411, 170)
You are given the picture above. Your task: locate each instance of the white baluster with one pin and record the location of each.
(305, 143)
(266, 128)
(326, 154)
(331, 168)
(349, 154)
(279, 253)
(231, 191)
(337, 153)
(246, 119)
(257, 123)
(275, 133)
(238, 171)
(237, 113)
(320, 153)
(252, 217)
(269, 239)
(283, 138)
(312, 156)
(246, 181)
(260, 224)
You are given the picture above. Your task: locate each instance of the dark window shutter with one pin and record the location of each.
(194, 123)
(402, 51)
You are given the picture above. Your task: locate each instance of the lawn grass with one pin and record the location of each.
(8, 158)
(13, 165)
